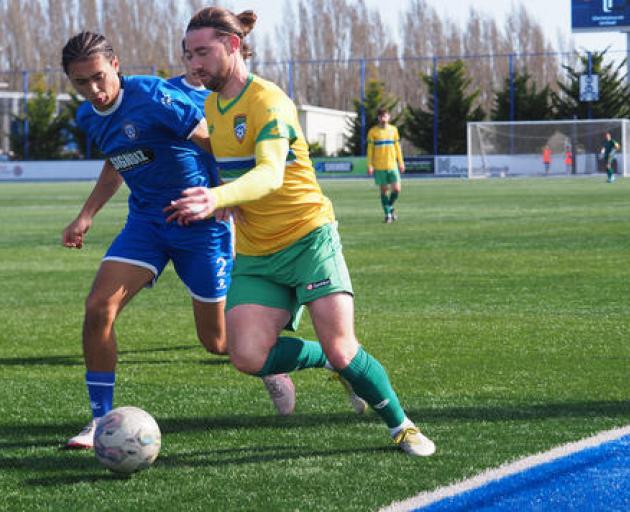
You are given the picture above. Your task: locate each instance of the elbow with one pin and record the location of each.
(269, 188)
(277, 182)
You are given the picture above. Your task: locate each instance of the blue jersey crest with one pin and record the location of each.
(130, 131)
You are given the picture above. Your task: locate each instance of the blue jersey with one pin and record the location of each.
(198, 94)
(145, 137)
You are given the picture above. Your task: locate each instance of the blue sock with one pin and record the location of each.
(100, 387)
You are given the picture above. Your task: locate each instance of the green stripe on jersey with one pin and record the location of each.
(234, 173)
(277, 129)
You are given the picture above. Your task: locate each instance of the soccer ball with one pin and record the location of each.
(127, 439)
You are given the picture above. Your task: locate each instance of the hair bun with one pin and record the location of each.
(248, 20)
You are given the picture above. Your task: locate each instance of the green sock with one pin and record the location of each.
(385, 203)
(609, 172)
(392, 198)
(369, 380)
(290, 354)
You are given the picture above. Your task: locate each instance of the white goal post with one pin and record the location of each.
(541, 148)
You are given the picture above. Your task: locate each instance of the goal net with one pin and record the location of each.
(543, 148)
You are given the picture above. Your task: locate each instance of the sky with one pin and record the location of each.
(553, 15)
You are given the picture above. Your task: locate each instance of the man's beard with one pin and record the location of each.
(214, 83)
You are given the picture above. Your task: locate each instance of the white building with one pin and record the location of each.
(326, 126)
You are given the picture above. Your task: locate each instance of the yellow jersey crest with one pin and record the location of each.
(240, 127)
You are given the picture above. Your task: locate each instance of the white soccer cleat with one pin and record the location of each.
(413, 442)
(358, 404)
(84, 440)
(282, 392)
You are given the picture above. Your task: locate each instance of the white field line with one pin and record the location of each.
(428, 497)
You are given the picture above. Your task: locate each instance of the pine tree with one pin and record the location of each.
(614, 95)
(375, 98)
(47, 130)
(455, 109)
(530, 104)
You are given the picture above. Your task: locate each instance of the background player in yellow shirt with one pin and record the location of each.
(288, 252)
(385, 159)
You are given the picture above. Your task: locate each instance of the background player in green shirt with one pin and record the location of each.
(609, 151)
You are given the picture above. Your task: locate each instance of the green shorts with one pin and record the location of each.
(308, 269)
(386, 177)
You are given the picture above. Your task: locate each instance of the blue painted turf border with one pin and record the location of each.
(588, 475)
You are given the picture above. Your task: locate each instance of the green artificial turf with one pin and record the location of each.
(500, 309)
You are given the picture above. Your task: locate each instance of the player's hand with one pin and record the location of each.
(401, 167)
(234, 212)
(196, 203)
(72, 236)
(222, 214)
(370, 170)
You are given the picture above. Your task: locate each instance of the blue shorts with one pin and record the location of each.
(201, 253)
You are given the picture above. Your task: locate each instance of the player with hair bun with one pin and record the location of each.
(288, 251)
(280, 387)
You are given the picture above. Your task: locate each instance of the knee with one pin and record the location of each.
(247, 362)
(341, 354)
(99, 309)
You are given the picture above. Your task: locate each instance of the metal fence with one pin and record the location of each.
(336, 83)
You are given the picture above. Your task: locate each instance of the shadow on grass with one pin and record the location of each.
(51, 435)
(205, 362)
(83, 477)
(525, 412)
(432, 415)
(42, 361)
(77, 360)
(254, 455)
(54, 434)
(83, 468)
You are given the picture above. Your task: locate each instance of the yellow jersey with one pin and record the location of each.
(383, 148)
(263, 112)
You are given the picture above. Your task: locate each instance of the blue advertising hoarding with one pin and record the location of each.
(600, 15)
